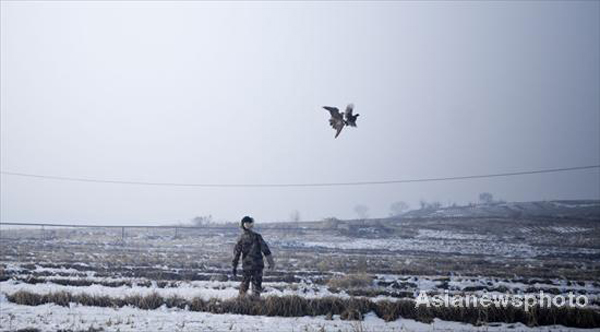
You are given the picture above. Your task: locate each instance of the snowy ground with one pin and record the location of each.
(396, 286)
(51, 317)
(457, 257)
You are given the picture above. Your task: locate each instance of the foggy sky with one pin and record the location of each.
(206, 92)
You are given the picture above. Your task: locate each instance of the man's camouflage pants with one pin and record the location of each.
(254, 276)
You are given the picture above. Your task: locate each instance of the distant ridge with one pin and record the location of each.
(586, 209)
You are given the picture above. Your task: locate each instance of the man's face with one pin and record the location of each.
(248, 225)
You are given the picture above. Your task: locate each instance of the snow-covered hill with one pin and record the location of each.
(586, 209)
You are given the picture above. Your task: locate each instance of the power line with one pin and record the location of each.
(281, 185)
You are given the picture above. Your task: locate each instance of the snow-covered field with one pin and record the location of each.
(379, 266)
(51, 317)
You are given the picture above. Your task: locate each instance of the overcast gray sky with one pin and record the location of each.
(207, 92)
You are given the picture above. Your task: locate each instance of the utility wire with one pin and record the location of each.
(280, 185)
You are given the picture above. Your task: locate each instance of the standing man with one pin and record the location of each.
(251, 247)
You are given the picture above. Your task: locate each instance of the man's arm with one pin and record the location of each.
(237, 251)
(265, 250)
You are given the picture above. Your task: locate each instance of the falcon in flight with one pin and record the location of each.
(337, 120)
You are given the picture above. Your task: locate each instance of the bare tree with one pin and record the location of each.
(397, 208)
(202, 220)
(486, 198)
(429, 206)
(295, 216)
(362, 211)
(435, 205)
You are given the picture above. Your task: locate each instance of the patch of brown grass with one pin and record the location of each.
(357, 280)
(348, 309)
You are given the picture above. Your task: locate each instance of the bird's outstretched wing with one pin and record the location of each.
(338, 130)
(334, 111)
(349, 109)
(350, 118)
(337, 119)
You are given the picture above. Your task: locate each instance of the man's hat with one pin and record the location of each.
(245, 220)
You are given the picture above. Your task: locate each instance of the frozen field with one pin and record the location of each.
(349, 276)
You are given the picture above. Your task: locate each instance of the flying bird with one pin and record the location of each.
(350, 119)
(337, 120)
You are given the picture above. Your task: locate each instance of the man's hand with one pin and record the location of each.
(271, 262)
(234, 272)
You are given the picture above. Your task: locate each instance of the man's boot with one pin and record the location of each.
(255, 296)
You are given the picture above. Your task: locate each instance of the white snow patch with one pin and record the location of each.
(50, 317)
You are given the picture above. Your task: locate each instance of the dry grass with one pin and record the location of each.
(84, 282)
(358, 280)
(348, 309)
